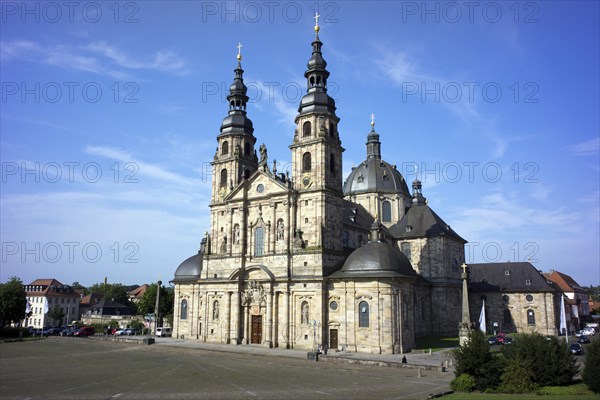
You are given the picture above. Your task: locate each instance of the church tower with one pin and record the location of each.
(317, 158)
(235, 158)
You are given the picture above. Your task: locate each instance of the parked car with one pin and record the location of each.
(583, 339)
(576, 349)
(161, 331)
(500, 337)
(49, 331)
(492, 340)
(110, 331)
(507, 341)
(119, 332)
(68, 331)
(85, 331)
(131, 332)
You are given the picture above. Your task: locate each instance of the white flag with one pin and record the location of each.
(482, 318)
(46, 306)
(563, 319)
(27, 307)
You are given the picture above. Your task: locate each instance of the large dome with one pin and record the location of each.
(190, 269)
(375, 175)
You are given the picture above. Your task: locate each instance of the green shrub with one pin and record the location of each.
(591, 371)
(463, 383)
(550, 360)
(11, 332)
(474, 358)
(579, 389)
(517, 377)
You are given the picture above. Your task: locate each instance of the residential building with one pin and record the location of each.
(43, 296)
(578, 298)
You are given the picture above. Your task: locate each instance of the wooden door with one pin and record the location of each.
(333, 338)
(256, 335)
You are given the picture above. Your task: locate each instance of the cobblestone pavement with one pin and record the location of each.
(75, 368)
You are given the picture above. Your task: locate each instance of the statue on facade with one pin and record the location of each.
(216, 311)
(280, 229)
(223, 247)
(236, 234)
(305, 312)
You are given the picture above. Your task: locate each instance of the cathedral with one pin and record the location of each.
(307, 260)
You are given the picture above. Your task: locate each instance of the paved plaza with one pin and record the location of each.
(73, 368)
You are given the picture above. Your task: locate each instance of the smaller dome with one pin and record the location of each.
(190, 269)
(375, 176)
(377, 259)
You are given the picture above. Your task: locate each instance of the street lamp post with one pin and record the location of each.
(157, 306)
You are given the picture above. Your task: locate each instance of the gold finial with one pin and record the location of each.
(372, 120)
(317, 22)
(239, 56)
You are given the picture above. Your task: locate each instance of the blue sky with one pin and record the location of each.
(110, 112)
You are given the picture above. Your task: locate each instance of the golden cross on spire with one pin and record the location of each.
(372, 120)
(239, 56)
(317, 22)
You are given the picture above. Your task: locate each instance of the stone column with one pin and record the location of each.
(227, 317)
(274, 227)
(230, 238)
(465, 324)
(275, 319)
(269, 320)
(286, 313)
(235, 319)
(246, 310)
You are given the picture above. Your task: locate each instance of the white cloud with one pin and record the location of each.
(586, 148)
(97, 57)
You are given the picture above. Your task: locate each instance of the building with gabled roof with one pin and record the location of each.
(518, 298)
(43, 295)
(577, 297)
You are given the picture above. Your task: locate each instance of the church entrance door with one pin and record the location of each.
(256, 334)
(333, 338)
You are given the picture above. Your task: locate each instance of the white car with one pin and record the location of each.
(163, 332)
(120, 332)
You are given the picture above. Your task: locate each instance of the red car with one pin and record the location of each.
(85, 331)
(500, 338)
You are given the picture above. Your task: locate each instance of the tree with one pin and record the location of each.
(591, 371)
(114, 291)
(475, 359)
(13, 301)
(57, 314)
(147, 303)
(78, 286)
(551, 362)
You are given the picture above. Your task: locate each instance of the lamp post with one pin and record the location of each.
(157, 306)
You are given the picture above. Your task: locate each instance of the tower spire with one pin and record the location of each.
(373, 143)
(317, 29)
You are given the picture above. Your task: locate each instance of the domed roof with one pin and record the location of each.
(190, 269)
(375, 175)
(377, 259)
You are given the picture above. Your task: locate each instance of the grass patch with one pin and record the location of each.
(572, 392)
(436, 343)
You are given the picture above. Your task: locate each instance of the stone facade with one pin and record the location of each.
(306, 260)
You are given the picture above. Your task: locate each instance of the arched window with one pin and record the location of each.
(259, 241)
(507, 317)
(386, 211)
(225, 148)
(306, 162)
(184, 309)
(306, 128)
(332, 163)
(531, 317)
(247, 148)
(224, 177)
(363, 314)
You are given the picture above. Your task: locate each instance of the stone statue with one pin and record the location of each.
(223, 248)
(280, 229)
(263, 154)
(236, 234)
(216, 310)
(305, 317)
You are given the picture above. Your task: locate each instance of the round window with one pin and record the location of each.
(260, 188)
(529, 298)
(333, 305)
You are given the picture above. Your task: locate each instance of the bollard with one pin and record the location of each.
(419, 373)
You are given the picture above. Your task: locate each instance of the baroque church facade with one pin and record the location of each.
(310, 259)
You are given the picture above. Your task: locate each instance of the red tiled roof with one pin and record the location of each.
(563, 281)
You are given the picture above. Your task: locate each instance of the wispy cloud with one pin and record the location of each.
(587, 148)
(97, 57)
(145, 169)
